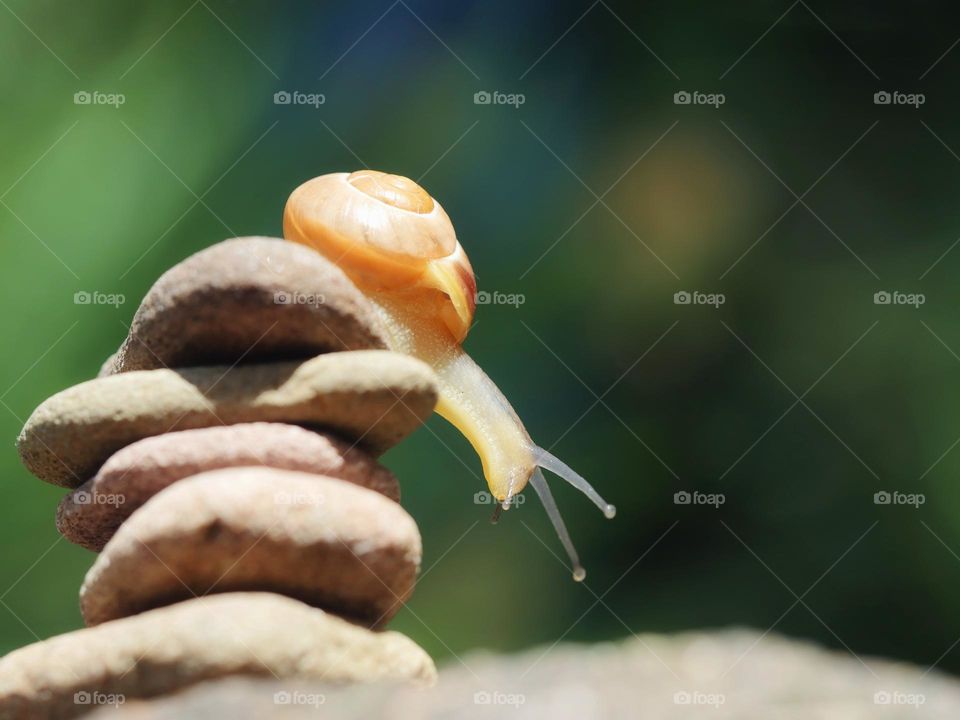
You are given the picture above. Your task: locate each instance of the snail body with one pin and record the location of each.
(399, 247)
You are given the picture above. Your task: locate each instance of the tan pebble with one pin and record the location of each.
(374, 397)
(164, 650)
(250, 298)
(324, 541)
(91, 514)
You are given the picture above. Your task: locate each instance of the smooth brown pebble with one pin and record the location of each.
(91, 514)
(248, 298)
(323, 541)
(165, 650)
(375, 397)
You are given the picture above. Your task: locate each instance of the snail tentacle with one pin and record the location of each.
(551, 462)
(540, 486)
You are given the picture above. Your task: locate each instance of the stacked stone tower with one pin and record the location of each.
(223, 465)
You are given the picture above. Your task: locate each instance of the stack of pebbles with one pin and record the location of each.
(223, 467)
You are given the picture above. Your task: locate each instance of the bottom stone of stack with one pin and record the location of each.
(163, 650)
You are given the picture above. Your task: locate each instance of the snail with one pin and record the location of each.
(396, 243)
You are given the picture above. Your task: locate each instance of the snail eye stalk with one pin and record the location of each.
(553, 512)
(557, 466)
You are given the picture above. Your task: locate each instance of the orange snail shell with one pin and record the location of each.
(389, 236)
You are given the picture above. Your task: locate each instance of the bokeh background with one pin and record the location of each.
(597, 199)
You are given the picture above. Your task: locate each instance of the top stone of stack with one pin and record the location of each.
(221, 305)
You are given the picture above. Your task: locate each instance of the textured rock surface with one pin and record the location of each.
(91, 514)
(374, 396)
(248, 298)
(715, 676)
(324, 541)
(255, 634)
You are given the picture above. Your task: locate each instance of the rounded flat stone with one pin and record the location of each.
(374, 397)
(164, 650)
(324, 541)
(249, 298)
(91, 514)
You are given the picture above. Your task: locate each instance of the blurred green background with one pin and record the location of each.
(691, 397)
